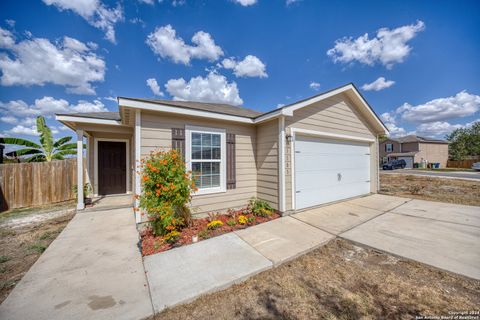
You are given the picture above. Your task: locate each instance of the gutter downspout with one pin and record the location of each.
(377, 151)
(281, 163)
(138, 190)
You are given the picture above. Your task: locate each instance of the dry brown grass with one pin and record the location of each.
(338, 281)
(436, 189)
(21, 247)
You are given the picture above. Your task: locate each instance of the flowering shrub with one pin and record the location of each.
(166, 191)
(214, 224)
(242, 219)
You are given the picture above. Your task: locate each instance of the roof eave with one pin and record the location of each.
(145, 105)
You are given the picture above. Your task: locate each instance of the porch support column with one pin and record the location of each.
(281, 163)
(80, 204)
(138, 191)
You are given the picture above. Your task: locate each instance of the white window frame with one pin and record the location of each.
(391, 149)
(223, 156)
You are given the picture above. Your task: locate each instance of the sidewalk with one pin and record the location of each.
(180, 275)
(93, 270)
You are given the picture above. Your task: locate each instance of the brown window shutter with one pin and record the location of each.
(178, 140)
(231, 162)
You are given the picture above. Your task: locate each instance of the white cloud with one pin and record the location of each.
(250, 66)
(431, 116)
(151, 2)
(110, 99)
(379, 84)
(246, 3)
(94, 12)
(47, 106)
(152, 83)
(289, 2)
(9, 119)
(388, 47)
(213, 88)
(10, 22)
(280, 105)
(21, 129)
(462, 104)
(165, 43)
(7, 40)
(314, 85)
(437, 128)
(390, 122)
(37, 61)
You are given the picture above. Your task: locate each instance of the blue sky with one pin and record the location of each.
(416, 62)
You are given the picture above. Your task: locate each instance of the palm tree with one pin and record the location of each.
(47, 150)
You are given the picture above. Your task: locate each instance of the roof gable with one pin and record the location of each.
(239, 114)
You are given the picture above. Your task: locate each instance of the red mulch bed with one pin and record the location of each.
(152, 244)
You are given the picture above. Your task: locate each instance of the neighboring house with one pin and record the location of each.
(315, 151)
(414, 149)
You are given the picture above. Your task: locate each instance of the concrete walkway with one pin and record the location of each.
(93, 270)
(442, 235)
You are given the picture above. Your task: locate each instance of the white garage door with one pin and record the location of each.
(329, 170)
(408, 161)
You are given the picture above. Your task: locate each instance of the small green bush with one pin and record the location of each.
(4, 259)
(231, 222)
(260, 207)
(204, 234)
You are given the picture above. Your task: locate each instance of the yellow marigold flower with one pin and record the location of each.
(214, 224)
(242, 219)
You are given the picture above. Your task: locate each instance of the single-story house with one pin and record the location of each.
(414, 149)
(315, 151)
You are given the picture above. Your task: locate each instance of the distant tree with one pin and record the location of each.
(382, 137)
(47, 150)
(464, 142)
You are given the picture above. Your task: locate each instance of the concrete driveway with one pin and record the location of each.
(446, 236)
(93, 270)
(465, 175)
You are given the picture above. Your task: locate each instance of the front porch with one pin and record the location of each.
(108, 162)
(110, 202)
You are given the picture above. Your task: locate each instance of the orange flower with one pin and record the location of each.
(145, 178)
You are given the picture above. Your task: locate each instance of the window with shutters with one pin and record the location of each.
(205, 155)
(389, 147)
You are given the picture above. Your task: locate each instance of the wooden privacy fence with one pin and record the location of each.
(35, 184)
(461, 163)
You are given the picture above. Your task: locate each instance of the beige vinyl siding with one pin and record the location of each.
(334, 115)
(156, 134)
(433, 153)
(267, 162)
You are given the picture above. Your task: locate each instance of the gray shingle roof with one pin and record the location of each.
(95, 115)
(400, 154)
(205, 106)
(415, 138)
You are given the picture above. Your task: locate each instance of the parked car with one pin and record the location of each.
(476, 166)
(395, 164)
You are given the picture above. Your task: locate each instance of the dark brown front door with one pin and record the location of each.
(112, 171)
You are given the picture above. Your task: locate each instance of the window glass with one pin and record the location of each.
(206, 158)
